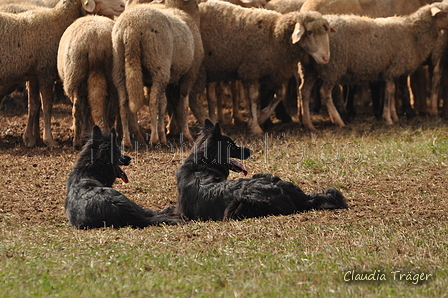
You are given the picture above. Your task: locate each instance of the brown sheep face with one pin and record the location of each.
(313, 38)
(108, 8)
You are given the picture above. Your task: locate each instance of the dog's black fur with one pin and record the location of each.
(204, 193)
(91, 201)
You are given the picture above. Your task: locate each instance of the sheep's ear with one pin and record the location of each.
(88, 5)
(435, 10)
(299, 29)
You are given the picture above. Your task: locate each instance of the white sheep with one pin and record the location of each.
(30, 3)
(159, 45)
(375, 9)
(85, 68)
(249, 44)
(285, 6)
(370, 8)
(29, 52)
(366, 49)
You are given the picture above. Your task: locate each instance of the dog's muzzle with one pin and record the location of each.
(124, 160)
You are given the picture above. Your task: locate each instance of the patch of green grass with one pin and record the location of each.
(277, 256)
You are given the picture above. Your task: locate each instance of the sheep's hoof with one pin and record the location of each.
(309, 125)
(389, 122)
(187, 136)
(257, 131)
(51, 143)
(154, 142)
(126, 144)
(433, 113)
(163, 139)
(395, 119)
(29, 141)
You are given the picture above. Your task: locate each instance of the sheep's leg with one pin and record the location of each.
(154, 95)
(181, 108)
(161, 117)
(219, 91)
(112, 107)
(238, 95)
(196, 99)
(325, 93)
(406, 107)
(435, 89)
(97, 95)
(78, 122)
(418, 82)
(388, 100)
(32, 134)
(253, 97)
(182, 112)
(393, 108)
(303, 99)
(269, 109)
(212, 102)
(445, 108)
(299, 96)
(134, 127)
(171, 127)
(46, 95)
(125, 118)
(154, 137)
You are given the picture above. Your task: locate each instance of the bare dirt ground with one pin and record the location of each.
(33, 179)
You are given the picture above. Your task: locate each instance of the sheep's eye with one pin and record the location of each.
(309, 32)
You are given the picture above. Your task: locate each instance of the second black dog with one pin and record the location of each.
(204, 193)
(91, 201)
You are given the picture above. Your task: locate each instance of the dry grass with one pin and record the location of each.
(394, 179)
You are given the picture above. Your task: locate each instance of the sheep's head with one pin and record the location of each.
(108, 8)
(312, 35)
(439, 12)
(307, 30)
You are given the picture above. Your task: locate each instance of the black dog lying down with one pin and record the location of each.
(91, 201)
(205, 194)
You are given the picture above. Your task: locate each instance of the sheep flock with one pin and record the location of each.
(113, 57)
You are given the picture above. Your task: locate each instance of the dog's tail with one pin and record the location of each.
(247, 207)
(331, 199)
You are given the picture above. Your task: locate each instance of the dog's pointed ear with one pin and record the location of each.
(217, 129)
(208, 124)
(96, 133)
